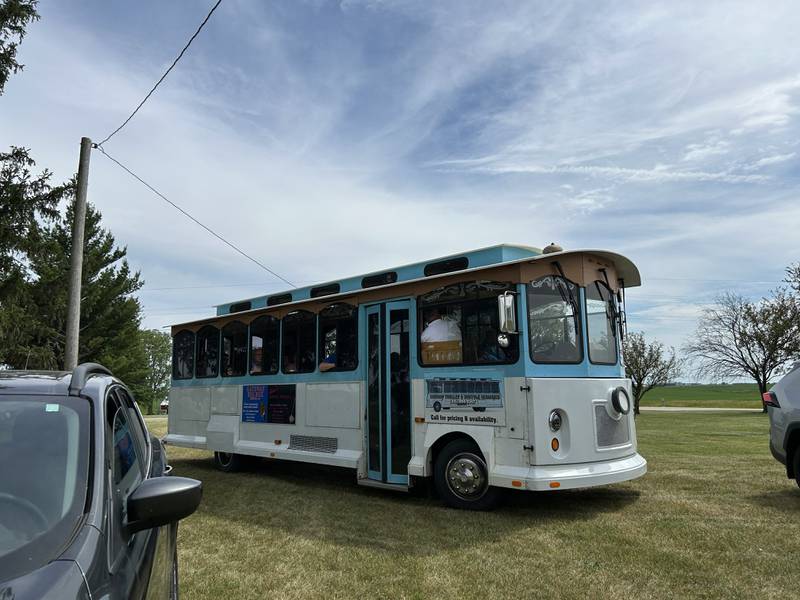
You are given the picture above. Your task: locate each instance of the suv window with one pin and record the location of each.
(126, 448)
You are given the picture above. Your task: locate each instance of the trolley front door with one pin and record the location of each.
(388, 415)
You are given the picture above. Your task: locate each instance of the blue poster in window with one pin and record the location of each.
(268, 404)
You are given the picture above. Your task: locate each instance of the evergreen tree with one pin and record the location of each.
(15, 16)
(28, 203)
(110, 314)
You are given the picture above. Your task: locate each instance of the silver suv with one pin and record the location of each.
(783, 405)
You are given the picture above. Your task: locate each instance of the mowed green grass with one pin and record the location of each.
(715, 517)
(734, 395)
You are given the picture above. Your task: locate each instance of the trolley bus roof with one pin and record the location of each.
(465, 262)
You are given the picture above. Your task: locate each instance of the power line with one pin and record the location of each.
(175, 62)
(211, 231)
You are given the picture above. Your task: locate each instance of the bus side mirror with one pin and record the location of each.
(508, 320)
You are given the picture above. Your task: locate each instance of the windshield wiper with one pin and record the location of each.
(616, 316)
(572, 301)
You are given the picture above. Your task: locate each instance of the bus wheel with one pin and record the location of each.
(462, 479)
(227, 461)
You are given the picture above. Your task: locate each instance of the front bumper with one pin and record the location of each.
(572, 476)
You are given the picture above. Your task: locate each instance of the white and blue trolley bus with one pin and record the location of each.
(495, 368)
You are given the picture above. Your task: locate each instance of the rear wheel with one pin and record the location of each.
(462, 479)
(796, 464)
(228, 462)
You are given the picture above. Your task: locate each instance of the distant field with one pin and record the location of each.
(734, 395)
(715, 517)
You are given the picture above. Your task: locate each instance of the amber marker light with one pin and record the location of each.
(554, 444)
(516, 483)
(554, 484)
(278, 442)
(419, 419)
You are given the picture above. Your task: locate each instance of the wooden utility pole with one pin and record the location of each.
(76, 268)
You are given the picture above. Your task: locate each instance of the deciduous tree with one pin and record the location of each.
(157, 348)
(648, 365)
(736, 337)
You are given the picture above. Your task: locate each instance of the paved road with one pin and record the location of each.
(692, 409)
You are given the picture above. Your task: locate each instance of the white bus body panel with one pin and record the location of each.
(596, 445)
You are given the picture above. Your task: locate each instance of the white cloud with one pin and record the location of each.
(403, 131)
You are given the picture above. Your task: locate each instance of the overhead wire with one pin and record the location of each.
(185, 213)
(164, 76)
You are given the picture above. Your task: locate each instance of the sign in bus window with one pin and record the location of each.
(268, 404)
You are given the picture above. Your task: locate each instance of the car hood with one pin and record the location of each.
(58, 580)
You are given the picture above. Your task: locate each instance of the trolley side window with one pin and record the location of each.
(234, 349)
(554, 321)
(458, 325)
(183, 355)
(338, 338)
(600, 319)
(298, 344)
(207, 361)
(264, 344)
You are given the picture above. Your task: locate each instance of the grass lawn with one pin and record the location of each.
(734, 395)
(715, 517)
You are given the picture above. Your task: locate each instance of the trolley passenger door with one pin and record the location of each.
(388, 427)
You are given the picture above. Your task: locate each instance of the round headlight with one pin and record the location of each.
(554, 420)
(620, 401)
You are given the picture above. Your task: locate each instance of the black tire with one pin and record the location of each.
(462, 479)
(796, 464)
(228, 462)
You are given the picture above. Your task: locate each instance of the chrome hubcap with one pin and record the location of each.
(466, 476)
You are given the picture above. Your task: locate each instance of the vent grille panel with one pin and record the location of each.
(313, 443)
(610, 432)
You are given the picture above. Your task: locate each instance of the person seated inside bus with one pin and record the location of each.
(440, 328)
(490, 350)
(328, 363)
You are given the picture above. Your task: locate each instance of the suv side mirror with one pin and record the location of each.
(162, 500)
(505, 307)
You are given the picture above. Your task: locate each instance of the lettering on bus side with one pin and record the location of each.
(268, 404)
(464, 400)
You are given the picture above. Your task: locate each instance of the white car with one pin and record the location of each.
(783, 406)
(164, 406)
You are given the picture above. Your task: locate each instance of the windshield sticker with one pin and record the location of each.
(465, 400)
(51, 407)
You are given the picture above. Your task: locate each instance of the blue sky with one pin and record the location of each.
(333, 138)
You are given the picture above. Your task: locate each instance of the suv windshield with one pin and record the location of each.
(44, 461)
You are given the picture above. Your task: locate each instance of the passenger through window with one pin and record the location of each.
(459, 325)
(299, 342)
(338, 338)
(554, 321)
(234, 349)
(183, 355)
(264, 336)
(207, 363)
